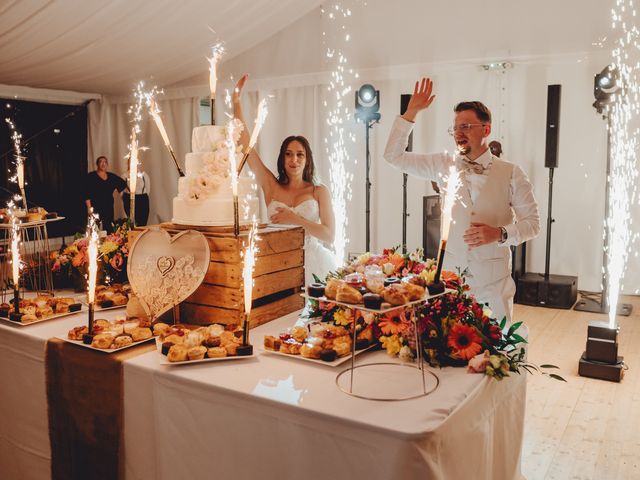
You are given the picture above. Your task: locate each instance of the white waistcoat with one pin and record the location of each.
(487, 263)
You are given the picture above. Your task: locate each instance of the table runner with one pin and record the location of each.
(85, 398)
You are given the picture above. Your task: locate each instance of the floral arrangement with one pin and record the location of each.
(70, 262)
(454, 329)
(215, 168)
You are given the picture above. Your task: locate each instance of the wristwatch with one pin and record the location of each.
(503, 235)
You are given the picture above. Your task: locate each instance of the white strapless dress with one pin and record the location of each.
(318, 259)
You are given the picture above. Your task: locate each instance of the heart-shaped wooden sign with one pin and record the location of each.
(165, 270)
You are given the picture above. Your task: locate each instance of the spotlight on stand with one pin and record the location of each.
(605, 85)
(367, 106)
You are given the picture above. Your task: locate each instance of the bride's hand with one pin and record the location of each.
(237, 92)
(286, 216)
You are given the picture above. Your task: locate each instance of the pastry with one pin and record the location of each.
(122, 341)
(77, 332)
(315, 290)
(61, 307)
(231, 348)
(227, 337)
(119, 299)
(415, 280)
(331, 289)
(290, 347)
(299, 333)
(217, 352)
(415, 292)
(212, 341)
(271, 343)
(395, 295)
(348, 294)
(215, 329)
(175, 338)
(116, 328)
(178, 353)
(101, 323)
(310, 351)
(197, 353)
(102, 340)
(328, 355)
(131, 325)
(160, 328)
(342, 349)
(44, 311)
(141, 333)
(28, 318)
(372, 300)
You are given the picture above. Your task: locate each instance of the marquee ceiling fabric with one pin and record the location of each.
(107, 46)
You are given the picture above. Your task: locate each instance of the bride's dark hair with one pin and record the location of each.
(308, 174)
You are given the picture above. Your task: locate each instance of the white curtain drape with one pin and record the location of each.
(109, 129)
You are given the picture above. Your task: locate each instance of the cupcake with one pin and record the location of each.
(372, 300)
(315, 290)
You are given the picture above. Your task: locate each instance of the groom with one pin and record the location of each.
(495, 209)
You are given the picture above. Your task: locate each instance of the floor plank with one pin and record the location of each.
(585, 428)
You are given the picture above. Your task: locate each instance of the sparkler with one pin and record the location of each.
(261, 116)
(623, 114)
(154, 111)
(249, 256)
(231, 148)
(216, 52)
(92, 253)
(451, 190)
(336, 17)
(19, 176)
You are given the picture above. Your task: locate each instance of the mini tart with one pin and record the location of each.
(197, 353)
(217, 352)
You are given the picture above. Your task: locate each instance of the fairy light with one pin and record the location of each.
(623, 115)
(337, 18)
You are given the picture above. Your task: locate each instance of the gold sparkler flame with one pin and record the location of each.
(216, 53)
(249, 256)
(92, 252)
(154, 111)
(133, 163)
(453, 183)
(261, 116)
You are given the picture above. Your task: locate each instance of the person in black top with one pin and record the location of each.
(100, 187)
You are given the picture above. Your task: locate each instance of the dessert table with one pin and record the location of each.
(268, 417)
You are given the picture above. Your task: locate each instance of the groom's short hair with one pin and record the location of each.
(482, 112)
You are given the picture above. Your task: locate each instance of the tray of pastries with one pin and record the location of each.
(180, 345)
(322, 343)
(112, 296)
(39, 309)
(33, 216)
(111, 335)
(354, 291)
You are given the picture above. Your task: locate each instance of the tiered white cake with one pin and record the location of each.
(205, 196)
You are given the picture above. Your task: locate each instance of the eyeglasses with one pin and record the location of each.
(464, 127)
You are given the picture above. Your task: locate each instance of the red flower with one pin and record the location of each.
(116, 262)
(465, 341)
(495, 333)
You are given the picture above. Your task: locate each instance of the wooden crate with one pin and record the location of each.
(278, 276)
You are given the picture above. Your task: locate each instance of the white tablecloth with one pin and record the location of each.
(268, 417)
(274, 417)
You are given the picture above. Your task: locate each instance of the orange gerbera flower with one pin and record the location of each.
(394, 322)
(465, 341)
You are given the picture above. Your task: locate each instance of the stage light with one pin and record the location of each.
(367, 104)
(605, 85)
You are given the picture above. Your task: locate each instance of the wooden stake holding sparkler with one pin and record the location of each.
(133, 175)
(451, 190)
(15, 269)
(260, 118)
(92, 253)
(154, 111)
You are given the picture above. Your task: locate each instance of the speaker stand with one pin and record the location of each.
(593, 306)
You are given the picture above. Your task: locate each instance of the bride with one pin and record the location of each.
(294, 197)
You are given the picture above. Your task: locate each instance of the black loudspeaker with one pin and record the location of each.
(553, 126)
(431, 213)
(559, 291)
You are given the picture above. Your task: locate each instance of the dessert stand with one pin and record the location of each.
(428, 384)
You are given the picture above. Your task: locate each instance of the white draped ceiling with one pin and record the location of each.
(105, 47)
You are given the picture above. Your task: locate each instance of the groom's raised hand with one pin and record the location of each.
(420, 100)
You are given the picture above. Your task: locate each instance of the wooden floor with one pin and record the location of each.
(586, 428)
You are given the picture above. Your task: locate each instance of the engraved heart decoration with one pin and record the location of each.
(165, 270)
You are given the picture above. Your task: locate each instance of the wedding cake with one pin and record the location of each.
(205, 196)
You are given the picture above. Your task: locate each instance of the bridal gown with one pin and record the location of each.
(318, 259)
